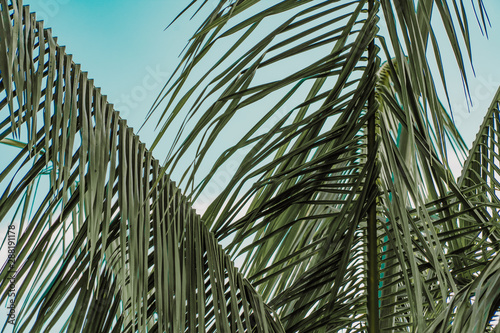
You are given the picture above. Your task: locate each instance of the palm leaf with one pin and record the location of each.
(476, 306)
(308, 180)
(104, 250)
(356, 152)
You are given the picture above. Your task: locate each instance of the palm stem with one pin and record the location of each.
(373, 274)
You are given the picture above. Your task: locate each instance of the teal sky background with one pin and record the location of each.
(123, 46)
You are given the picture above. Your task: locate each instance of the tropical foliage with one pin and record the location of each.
(342, 214)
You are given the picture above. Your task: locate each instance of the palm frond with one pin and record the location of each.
(306, 181)
(476, 305)
(112, 245)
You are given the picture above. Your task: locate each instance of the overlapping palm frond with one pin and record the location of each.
(310, 178)
(476, 306)
(343, 201)
(104, 243)
(435, 238)
(307, 183)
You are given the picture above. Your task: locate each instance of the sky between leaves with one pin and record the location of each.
(123, 46)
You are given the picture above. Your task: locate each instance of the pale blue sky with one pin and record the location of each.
(123, 46)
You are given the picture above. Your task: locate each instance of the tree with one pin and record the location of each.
(351, 218)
